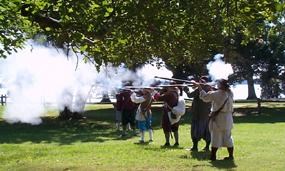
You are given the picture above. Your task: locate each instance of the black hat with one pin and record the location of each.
(224, 83)
(204, 79)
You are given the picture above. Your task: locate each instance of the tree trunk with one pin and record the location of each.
(65, 114)
(251, 90)
(105, 98)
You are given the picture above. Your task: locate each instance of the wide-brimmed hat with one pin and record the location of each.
(224, 83)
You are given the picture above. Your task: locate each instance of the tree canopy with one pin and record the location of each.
(178, 31)
(185, 34)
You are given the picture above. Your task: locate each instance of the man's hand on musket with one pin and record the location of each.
(196, 85)
(186, 89)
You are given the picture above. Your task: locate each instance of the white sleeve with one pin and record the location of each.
(137, 99)
(180, 108)
(207, 97)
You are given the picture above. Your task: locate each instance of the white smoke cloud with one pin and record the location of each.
(218, 69)
(111, 78)
(37, 75)
(148, 72)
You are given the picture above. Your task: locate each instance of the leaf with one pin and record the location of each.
(107, 14)
(122, 41)
(83, 48)
(109, 10)
(48, 29)
(279, 7)
(246, 9)
(70, 10)
(104, 3)
(94, 5)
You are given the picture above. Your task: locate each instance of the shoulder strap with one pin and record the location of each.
(217, 111)
(148, 105)
(143, 111)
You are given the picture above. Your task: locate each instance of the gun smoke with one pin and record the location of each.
(218, 69)
(39, 77)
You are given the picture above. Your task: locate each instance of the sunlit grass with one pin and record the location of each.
(94, 143)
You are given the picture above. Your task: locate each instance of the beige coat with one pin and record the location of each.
(224, 120)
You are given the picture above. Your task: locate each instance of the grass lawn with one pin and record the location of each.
(94, 143)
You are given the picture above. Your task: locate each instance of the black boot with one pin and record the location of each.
(195, 145)
(176, 137)
(231, 153)
(124, 134)
(207, 147)
(213, 153)
(167, 137)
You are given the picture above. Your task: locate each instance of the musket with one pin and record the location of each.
(174, 79)
(192, 83)
(157, 87)
(176, 85)
(138, 87)
(204, 85)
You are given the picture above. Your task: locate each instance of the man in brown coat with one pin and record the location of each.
(200, 117)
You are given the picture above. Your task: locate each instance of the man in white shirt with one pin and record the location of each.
(221, 124)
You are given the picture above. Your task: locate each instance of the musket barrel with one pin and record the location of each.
(156, 87)
(139, 87)
(176, 85)
(161, 86)
(174, 79)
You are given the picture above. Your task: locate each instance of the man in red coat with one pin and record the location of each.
(128, 110)
(170, 99)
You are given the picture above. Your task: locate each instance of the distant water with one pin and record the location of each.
(240, 91)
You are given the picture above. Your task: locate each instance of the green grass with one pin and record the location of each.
(94, 143)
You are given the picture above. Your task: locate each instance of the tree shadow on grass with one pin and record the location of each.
(98, 127)
(55, 131)
(266, 115)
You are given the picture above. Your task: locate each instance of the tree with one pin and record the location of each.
(14, 29)
(262, 58)
(136, 30)
(245, 62)
(242, 47)
(272, 75)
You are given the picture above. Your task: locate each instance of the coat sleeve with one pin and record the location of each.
(207, 97)
(137, 99)
(193, 93)
(119, 102)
